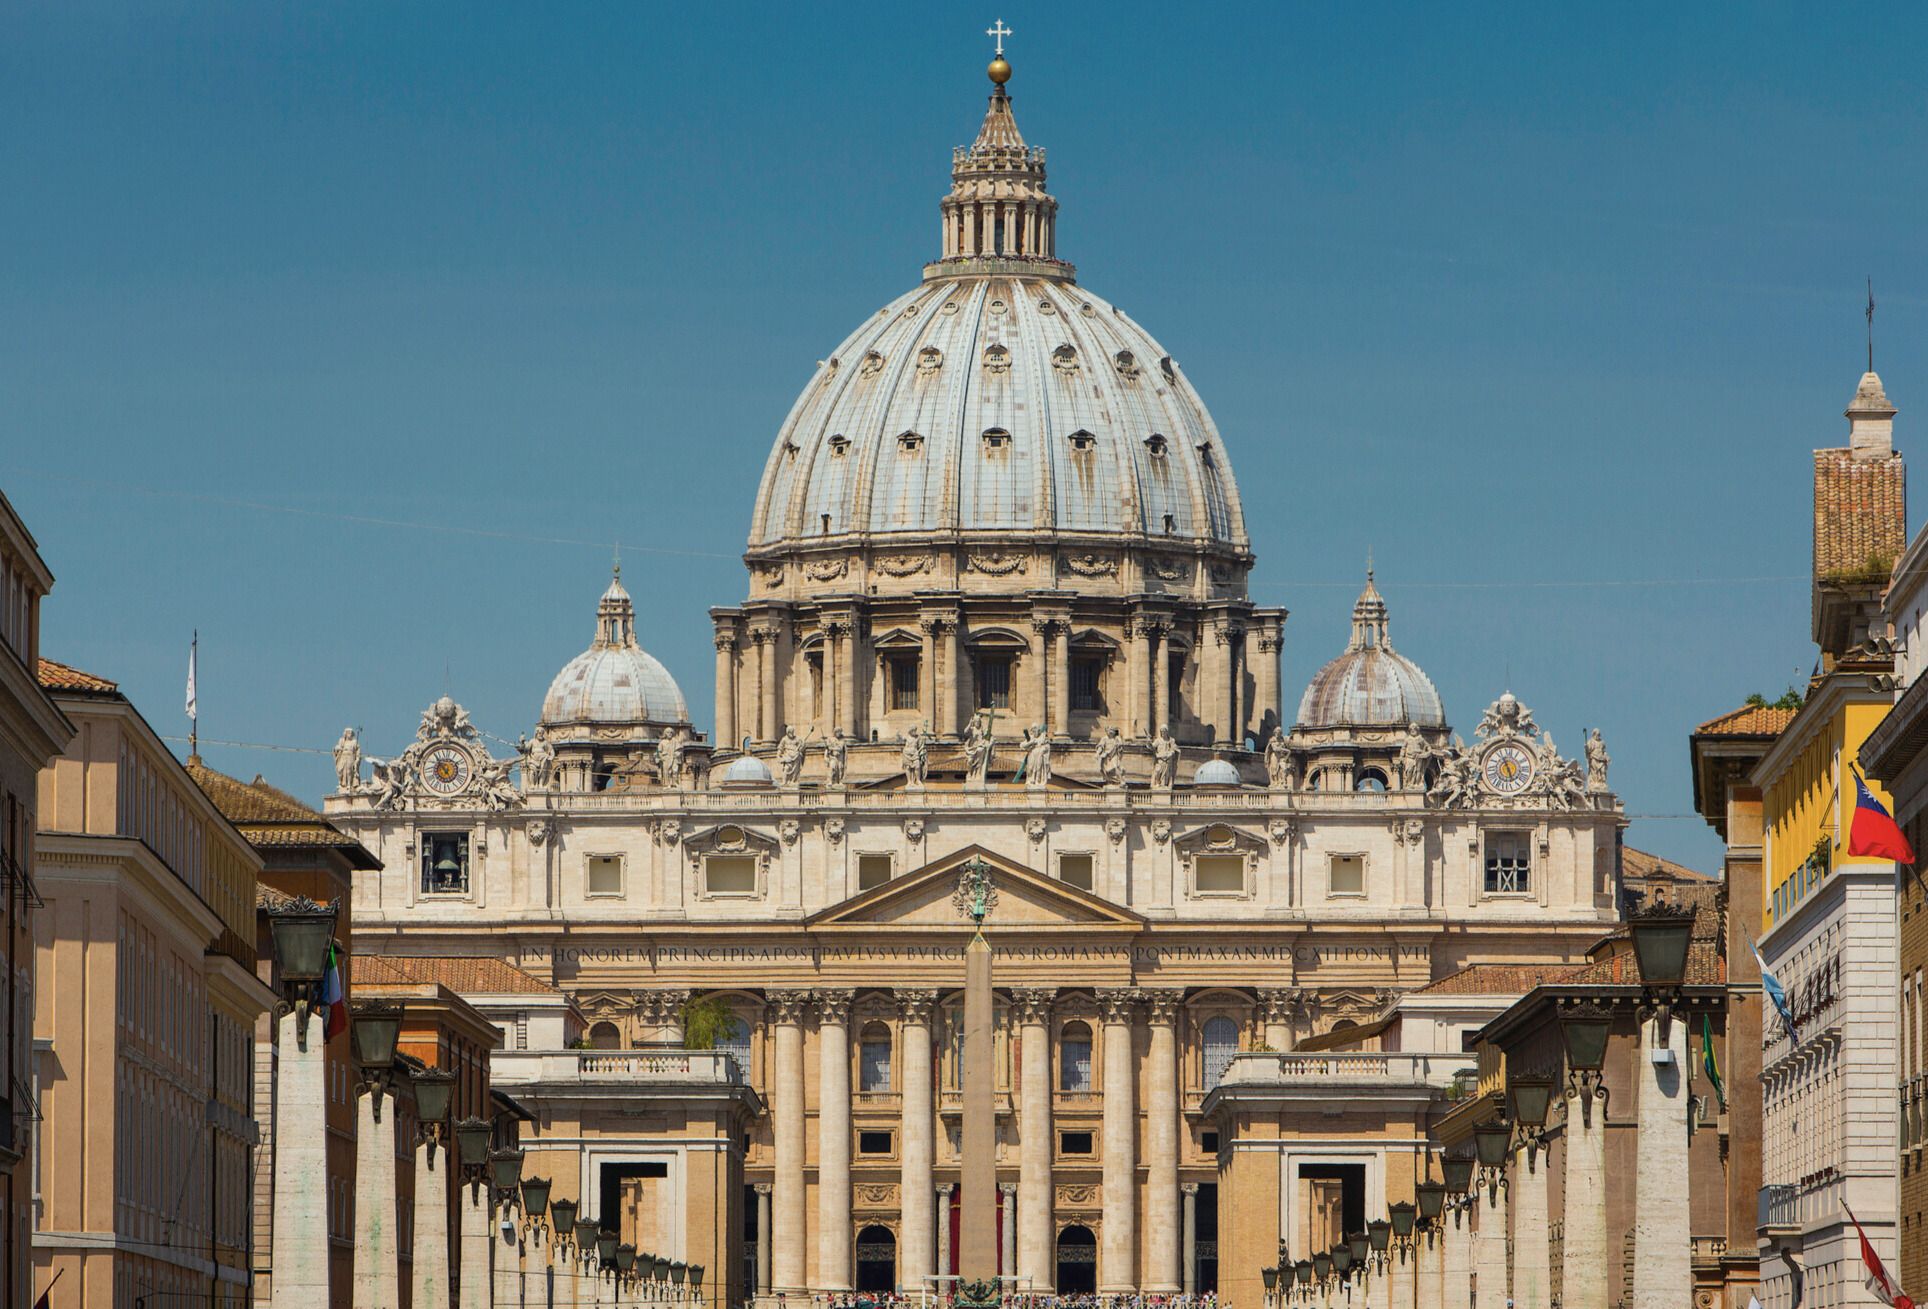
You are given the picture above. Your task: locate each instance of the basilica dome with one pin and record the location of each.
(614, 681)
(1371, 685)
(1001, 404)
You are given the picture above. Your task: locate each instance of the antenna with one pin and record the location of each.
(1871, 324)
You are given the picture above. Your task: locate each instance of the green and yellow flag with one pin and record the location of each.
(1708, 1061)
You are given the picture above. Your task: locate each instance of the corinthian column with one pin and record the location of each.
(789, 1268)
(1161, 671)
(1141, 682)
(1035, 1254)
(1161, 1145)
(766, 671)
(763, 1252)
(1117, 1257)
(725, 688)
(1583, 1277)
(915, 1251)
(1265, 681)
(833, 1140)
(1061, 678)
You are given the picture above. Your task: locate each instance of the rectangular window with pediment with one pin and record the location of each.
(1509, 863)
(993, 682)
(903, 683)
(1219, 873)
(873, 870)
(730, 874)
(1084, 686)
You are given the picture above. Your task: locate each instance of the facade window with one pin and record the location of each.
(1075, 870)
(873, 1143)
(1348, 874)
(1221, 1043)
(1084, 686)
(1174, 688)
(873, 1059)
(1219, 873)
(445, 863)
(604, 1036)
(1509, 863)
(733, 874)
(1074, 1142)
(873, 870)
(736, 1043)
(903, 684)
(1370, 779)
(604, 875)
(1074, 1058)
(994, 682)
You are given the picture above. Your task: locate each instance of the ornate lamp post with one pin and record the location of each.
(429, 1278)
(303, 930)
(1663, 1241)
(1342, 1267)
(1270, 1276)
(1429, 1256)
(1303, 1271)
(1322, 1271)
(696, 1284)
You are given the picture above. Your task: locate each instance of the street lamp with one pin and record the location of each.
(562, 1219)
(377, 1029)
(696, 1282)
(1661, 935)
(1532, 1096)
(1322, 1264)
(535, 1203)
(303, 930)
(1432, 1200)
(433, 1088)
(1459, 1173)
(1492, 1140)
(472, 1143)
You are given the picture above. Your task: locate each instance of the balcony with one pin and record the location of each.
(1258, 1069)
(637, 1067)
(1778, 1211)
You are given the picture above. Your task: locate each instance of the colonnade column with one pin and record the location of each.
(299, 1246)
(1118, 1253)
(1456, 1283)
(378, 1269)
(1035, 1141)
(833, 1140)
(944, 1260)
(914, 1250)
(1429, 1250)
(929, 697)
(1188, 1251)
(1007, 1263)
(1403, 1276)
(429, 1276)
(763, 1241)
(1214, 650)
(1532, 1256)
(477, 1245)
(1061, 678)
(726, 737)
(1161, 1144)
(1583, 1278)
(1662, 1225)
(1489, 1245)
(790, 1268)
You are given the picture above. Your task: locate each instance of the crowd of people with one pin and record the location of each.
(1010, 1300)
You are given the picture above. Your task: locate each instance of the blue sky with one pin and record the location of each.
(1543, 308)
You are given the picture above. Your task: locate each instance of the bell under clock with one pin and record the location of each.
(1507, 769)
(446, 769)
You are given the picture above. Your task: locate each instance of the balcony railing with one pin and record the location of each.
(1258, 1068)
(1778, 1207)
(520, 1066)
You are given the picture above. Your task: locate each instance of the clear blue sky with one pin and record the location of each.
(1547, 302)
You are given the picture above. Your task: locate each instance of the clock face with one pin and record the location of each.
(446, 769)
(1507, 769)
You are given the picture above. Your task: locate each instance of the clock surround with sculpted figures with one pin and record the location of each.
(1507, 768)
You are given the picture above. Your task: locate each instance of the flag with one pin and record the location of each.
(1772, 986)
(1883, 1287)
(333, 998)
(193, 710)
(1708, 1061)
(1753, 1303)
(42, 1302)
(1873, 832)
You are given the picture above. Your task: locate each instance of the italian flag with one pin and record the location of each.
(333, 998)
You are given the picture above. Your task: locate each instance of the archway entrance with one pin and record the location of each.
(1077, 1262)
(876, 1260)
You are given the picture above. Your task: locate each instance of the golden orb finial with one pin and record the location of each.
(1000, 70)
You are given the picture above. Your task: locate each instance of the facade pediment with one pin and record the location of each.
(1026, 899)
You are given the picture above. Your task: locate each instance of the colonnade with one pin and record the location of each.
(1125, 1261)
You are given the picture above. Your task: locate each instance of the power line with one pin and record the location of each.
(250, 745)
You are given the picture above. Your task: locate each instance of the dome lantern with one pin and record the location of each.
(998, 217)
(1370, 685)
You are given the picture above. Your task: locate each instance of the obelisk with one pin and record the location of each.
(977, 1203)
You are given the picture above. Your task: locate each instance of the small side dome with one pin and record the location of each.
(614, 680)
(1216, 772)
(1371, 685)
(746, 772)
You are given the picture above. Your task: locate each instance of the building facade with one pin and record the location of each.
(1828, 924)
(32, 732)
(997, 613)
(144, 1024)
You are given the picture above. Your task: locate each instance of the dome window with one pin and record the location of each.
(1171, 525)
(1155, 443)
(839, 444)
(873, 364)
(790, 450)
(1082, 440)
(996, 438)
(929, 360)
(1065, 359)
(909, 442)
(997, 359)
(1046, 307)
(1126, 365)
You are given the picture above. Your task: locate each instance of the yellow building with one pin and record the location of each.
(144, 1017)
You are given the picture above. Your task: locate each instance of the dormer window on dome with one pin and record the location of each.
(997, 359)
(838, 445)
(1065, 359)
(1082, 440)
(1126, 365)
(1155, 443)
(909, 442)
(929, 360)
(996, 438)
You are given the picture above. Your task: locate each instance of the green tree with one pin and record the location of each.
(1790, 699)
(707, 1021)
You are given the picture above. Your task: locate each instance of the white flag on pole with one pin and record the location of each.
(192, 649)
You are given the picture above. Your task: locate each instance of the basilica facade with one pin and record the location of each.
(997, 614)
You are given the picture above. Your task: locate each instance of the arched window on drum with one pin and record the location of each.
(1221, 1043)
(735, 1040)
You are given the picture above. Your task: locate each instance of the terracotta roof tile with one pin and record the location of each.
(267, 815)
(463, 976)
(1860, 512)
(1705, 967)
(1499, 979)
(1640, 864)
(1748, 720)
(59, 677)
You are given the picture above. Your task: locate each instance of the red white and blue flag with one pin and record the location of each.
(333, 998)
(1874, 833)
